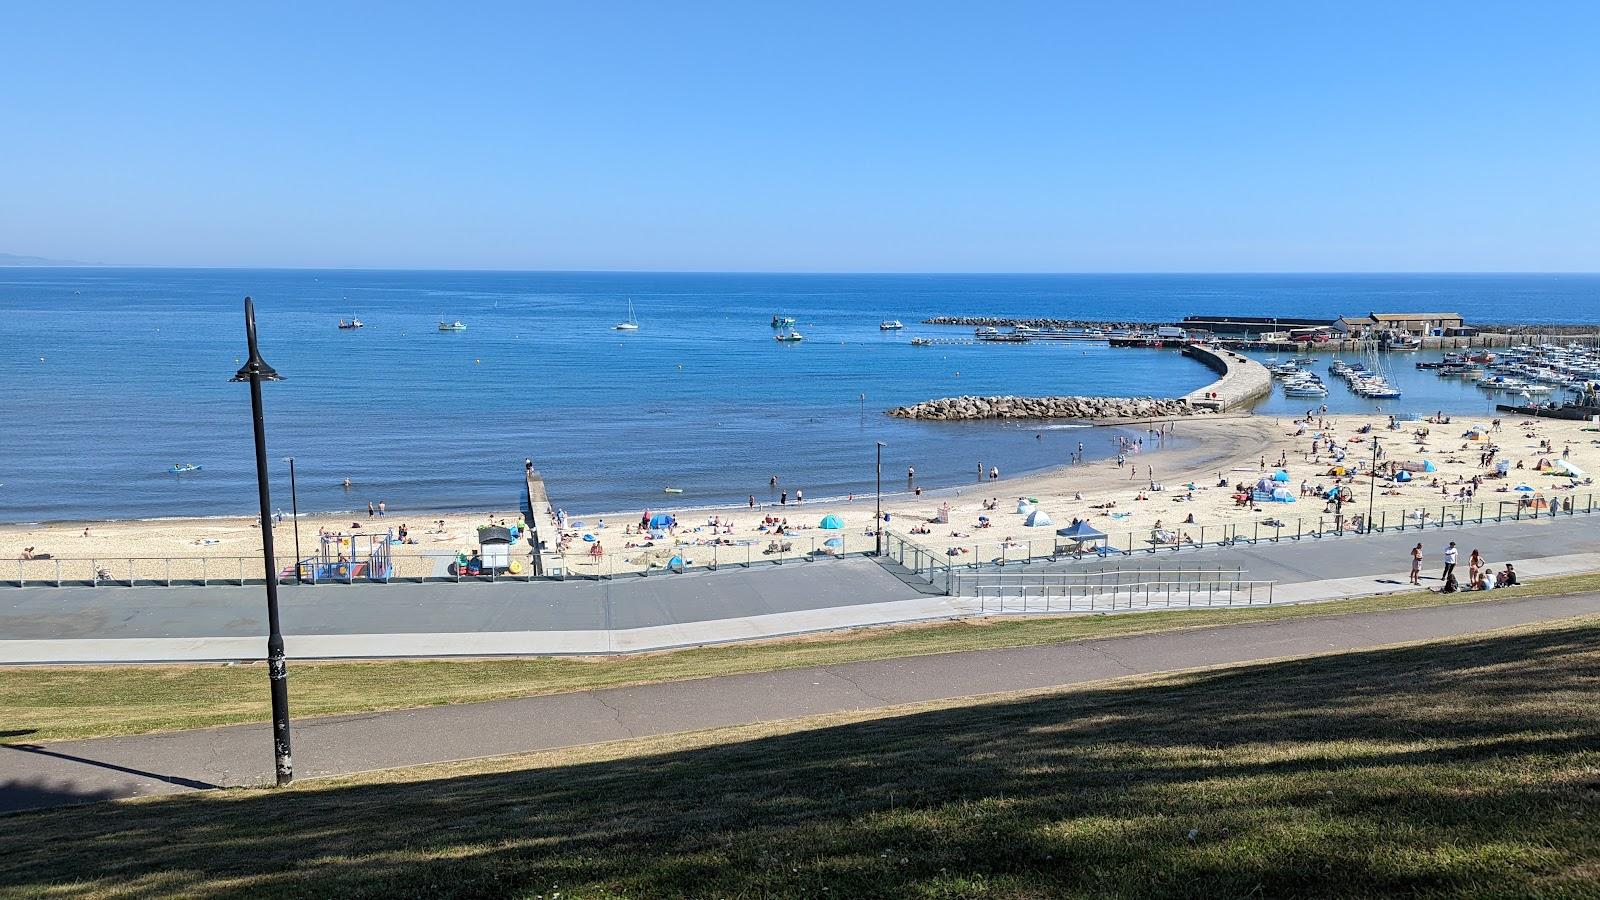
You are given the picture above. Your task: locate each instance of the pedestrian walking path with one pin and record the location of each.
(76, 771)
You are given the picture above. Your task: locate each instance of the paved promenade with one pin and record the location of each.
(629, 614)
(78, 771)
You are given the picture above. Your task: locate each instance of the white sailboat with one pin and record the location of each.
(629, 324)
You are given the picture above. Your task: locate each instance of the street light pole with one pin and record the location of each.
(255, 371)
(1372, 482)
(877, 525)
(294, 509)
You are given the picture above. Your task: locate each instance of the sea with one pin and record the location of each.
(111, 376)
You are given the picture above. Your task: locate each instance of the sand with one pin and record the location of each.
(1215, 448)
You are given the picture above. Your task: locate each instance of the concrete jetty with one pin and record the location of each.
(1243, 380)
(543, 536)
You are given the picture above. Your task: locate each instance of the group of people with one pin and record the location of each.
(1480, 575)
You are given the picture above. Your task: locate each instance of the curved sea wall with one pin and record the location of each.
(1243, 380)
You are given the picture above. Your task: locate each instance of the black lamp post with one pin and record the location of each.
(255, 371)
(1372, 482)
(294, 509)
(877, 526)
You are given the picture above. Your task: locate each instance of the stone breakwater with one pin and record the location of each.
(955, 409)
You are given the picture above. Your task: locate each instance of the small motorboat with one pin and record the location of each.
(353, 323)
(452, 326)
(789, 337)
(181, 468)
(672, 490)
(783, 321)
(921, 342)
(890, 325)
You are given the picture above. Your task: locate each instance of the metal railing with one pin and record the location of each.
(1064, 592)
(933, 561)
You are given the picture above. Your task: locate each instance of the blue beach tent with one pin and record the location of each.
(1081, 531)
(831, 521)
(1402, 475)
(1282, 475)
(663, 520)
(1428, 466)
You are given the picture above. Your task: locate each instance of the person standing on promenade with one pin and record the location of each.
(1416, 564)
(1450, 553)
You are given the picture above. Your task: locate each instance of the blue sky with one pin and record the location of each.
(919, 136)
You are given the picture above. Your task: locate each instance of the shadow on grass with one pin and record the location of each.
(1463, 766)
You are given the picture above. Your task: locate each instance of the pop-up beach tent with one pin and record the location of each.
(1428, 466)
(662, 520)
(831, 521)
(1082, 532)
(1038, 519)
(1282, 495)
(1402, 475)
(1023, 506)
(1281, 476)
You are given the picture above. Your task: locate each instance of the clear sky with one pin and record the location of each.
(855, 136)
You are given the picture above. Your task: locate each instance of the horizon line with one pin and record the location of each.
(811, 272)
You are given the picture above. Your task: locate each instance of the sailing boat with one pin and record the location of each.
(629, 324)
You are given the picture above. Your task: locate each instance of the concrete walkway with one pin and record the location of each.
(79, 771)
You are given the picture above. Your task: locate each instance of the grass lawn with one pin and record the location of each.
(58, 703)
(1468, 767)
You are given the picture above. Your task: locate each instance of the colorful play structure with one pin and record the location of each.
(347, 557)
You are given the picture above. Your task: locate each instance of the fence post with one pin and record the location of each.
(168, 561)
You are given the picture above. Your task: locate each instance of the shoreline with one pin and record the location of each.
(1166, 492)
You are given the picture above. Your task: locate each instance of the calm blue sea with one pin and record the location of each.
(110, 376)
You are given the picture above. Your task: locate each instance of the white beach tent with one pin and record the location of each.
(1024, 507)
(1038, 519)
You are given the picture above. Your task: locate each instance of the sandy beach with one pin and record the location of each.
(1188, 495)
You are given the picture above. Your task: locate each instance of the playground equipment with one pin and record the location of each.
(346, 557)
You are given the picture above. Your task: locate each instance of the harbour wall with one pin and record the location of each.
(1243, 380)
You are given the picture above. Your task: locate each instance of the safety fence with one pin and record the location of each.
(1009, 593)
(933, 557)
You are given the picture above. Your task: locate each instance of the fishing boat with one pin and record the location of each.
(180, 468)
(890, 325)
(452, 326)
(630, 323)
(789, 337)
(353, 323)
(783, 321)
(985, 331)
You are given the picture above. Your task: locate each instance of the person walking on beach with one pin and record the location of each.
(783, 499)
(383, 508)
(369, 509)
(799, 496)
(752, 501)
(1450, 553)
(994, 473)
(1416, 564)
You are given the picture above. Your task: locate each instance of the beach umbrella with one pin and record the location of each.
(1038, 519)
(1282, 475)
(1523, 487)
(1569, 468)
(662, 520)
(1081, 531)
(831, 521)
